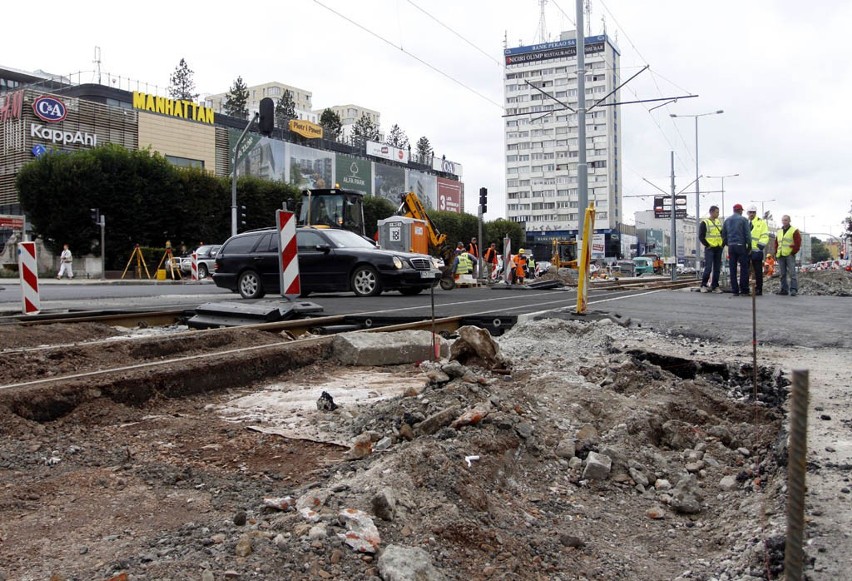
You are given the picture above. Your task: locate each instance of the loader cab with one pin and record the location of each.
(332, 208)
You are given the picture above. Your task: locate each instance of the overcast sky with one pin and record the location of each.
(779, 69)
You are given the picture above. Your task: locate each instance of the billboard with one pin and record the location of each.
(425, 186)
(450, 195)
(387, 152)
(663, 206)
(389, 182)
(446, 166)
(309, 168)
(353, 173)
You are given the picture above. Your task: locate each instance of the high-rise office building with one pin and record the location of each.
(540, 127)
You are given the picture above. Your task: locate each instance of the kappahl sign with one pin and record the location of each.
(64, 137)
(49, 109)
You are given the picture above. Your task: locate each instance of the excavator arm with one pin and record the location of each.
(412, 207)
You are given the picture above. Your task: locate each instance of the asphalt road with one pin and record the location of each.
(808, 321)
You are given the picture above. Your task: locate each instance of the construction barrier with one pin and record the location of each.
(194, 266)
(288, 258)
(28, 271)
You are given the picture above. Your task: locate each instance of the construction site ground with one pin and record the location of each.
(605, 451)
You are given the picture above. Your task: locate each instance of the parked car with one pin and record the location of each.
(624, 268)
(330, 260)
(206, 257)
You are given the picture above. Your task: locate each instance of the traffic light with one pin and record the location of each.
(267, 116)
(96, 215)
(243, 215)
(483, 199)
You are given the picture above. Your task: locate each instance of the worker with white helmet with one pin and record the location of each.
(759, 240)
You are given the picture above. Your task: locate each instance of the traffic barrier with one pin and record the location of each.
(194, 266)
(28, 271)
(288, 258)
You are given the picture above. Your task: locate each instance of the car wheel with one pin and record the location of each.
(365, 282)
(202, 271)
(409, 291)
(250, 286)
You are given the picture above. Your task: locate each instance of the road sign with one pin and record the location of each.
(663, 206)
(28, 270)
(288, 258)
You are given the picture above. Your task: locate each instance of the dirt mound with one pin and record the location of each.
(823, 282)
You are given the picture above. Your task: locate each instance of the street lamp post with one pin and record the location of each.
(697, 189)
(733, 175)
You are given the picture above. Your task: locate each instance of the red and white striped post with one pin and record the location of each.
(194, 267)
(288, 258)
(28, 271)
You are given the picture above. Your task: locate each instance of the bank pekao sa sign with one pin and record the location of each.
(50, 109)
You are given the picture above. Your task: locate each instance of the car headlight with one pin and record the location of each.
(437, 263)
(397, 262)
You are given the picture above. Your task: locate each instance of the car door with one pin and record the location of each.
(312, 259)
(265, 257)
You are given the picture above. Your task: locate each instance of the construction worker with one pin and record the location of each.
(788, 241)
(473, 250)
(759, 240)
(531, 266)
(490, 259)
(463, 263)
(769, 266)
(710, 235)
(736, 235)
(519, 264)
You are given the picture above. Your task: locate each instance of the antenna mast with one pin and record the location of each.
(588, 11)
(542, 26)
(97, 61)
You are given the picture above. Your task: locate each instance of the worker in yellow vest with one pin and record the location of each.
(788, 241)
(463, 263)
(759, 240)
(710, 235)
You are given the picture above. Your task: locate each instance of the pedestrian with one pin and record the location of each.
(473, 250)
(710, 235)
(490, 259)
(788, 241)
(65, 259)
(759, 240)
(736, 235)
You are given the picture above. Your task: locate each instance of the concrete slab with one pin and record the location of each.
(396, 348)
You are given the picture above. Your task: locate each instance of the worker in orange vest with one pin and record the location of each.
(519, 263)
(769, 266)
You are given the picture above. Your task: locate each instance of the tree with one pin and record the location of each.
(376, 208)
(424, 151)
(364, 129)
(331, 124)
(285, 109)
(236, 99)
(818, 250)
(181, 83)
(397, 137)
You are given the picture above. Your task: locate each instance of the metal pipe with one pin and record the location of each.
(796, 470)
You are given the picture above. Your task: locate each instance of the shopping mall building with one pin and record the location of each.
(39, 117)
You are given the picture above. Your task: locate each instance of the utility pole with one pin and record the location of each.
(234, 176)
(582, 167)
(674, 226)
(103, 246)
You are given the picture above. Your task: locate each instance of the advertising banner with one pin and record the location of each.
(389, 182)
(353, 173)
(445, 165)
(598, 245)
(663, 206)
(266, 160)
(309, 168)
(387, 152)
(306, 128)
(450, 195)
(425, 186)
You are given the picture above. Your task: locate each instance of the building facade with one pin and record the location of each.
(274, 90)
(540, 132)
(349, 115)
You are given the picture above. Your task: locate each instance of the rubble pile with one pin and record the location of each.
(560, 450)
(821, 282)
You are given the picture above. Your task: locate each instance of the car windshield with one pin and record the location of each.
(346, 239)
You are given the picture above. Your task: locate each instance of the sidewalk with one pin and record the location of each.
(99, 281)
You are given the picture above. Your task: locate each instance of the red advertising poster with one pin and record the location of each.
(450, 195)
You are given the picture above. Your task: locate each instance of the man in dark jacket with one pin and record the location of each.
(736, 235)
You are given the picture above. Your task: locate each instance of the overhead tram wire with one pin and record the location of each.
(488, 56)
(410, 54)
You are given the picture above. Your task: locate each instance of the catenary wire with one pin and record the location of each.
(488, 56)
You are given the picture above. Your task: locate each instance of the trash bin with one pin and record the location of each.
(161, 274)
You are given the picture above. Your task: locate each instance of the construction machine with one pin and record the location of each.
(564, 254)
(332, 208)
(411, 207)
